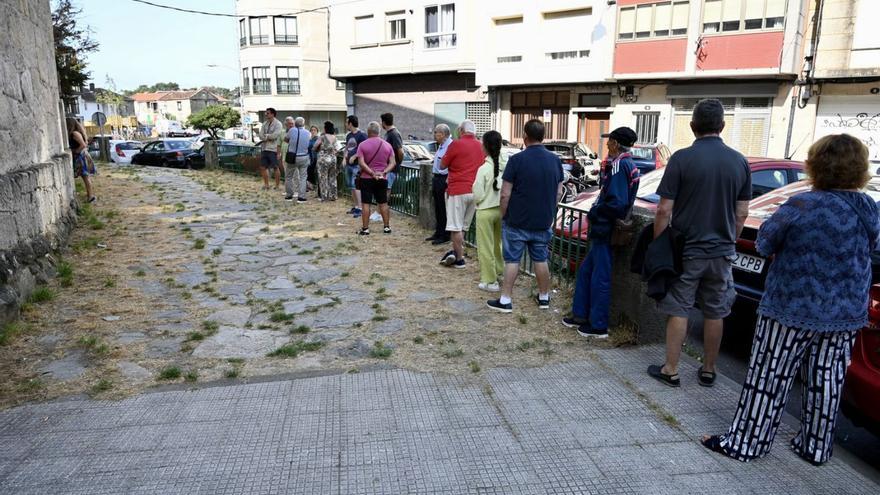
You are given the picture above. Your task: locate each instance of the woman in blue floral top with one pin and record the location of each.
(815, 302)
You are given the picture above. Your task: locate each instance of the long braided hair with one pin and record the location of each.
(492, 143)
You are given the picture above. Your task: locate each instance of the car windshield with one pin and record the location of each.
(129, 146)
(559, 149)
(643, 153)
(648, 185)
(418, 152)
(178, 145)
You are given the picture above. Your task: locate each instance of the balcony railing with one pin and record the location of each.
(242, 41)
(288, 87)
(286, 39)
(260, 40)
(441, 40)
(262, 87)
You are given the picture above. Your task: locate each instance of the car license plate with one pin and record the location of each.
(749, 263)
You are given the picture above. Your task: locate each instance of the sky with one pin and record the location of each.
(140, 44)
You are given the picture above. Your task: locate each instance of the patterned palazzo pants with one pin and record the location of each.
(327, 177)
(778, 352)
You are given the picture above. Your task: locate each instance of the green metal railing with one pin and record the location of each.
(239, 159)
(404, 193)
(569, 244)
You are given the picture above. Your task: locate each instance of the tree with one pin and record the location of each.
(109, 97)
(214, 119)
(160, 86)
(72, 44)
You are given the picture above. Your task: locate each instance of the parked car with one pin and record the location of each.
(226, 148)
(94, 145)
(577, 159)
(165, 153)
(414, 152)
(862, 392)
(650, 157)
(122, 151)
(572, 222)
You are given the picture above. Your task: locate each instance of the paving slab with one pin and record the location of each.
(71, 366)
(232, 342)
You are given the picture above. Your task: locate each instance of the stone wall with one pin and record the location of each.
(36, 179)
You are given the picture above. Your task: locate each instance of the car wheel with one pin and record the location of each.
(165, 163)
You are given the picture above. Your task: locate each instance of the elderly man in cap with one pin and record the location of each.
(619, 180)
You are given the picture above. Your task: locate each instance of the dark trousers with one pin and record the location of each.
(592, 291)
(438, 188)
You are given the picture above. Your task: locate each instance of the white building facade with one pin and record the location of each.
(284, 64)
(415, 60)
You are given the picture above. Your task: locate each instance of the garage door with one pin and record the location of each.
(855, 115)
(747, 124)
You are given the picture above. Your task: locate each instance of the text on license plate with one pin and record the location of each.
(749, 263)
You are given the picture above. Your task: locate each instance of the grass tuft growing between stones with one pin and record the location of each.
(294, 349)
(41, 295)
(380, 351)
(199, 243)
(191, 376)
(474, 366)
(280, 316)
(103, 385)
(65, 273)
(170, 373)
(301, 329)
(10, 330)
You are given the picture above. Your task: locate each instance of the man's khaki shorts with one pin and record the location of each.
(460, 210)
(708, 282)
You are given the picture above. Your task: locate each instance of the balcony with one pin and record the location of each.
(286, 39)
(288, 87)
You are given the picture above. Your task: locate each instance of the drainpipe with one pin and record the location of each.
(807, 80)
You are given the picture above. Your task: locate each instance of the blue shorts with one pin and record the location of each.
(391, 177)
(351, 172)
(514, 242)
(269, 159)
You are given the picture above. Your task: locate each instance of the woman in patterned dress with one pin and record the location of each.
(83, 166)
(326, 149)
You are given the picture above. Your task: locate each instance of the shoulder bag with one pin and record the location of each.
(290, 157)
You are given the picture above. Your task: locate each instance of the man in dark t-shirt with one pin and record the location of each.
(704, 195)
(353, 139)
(531, 189)
(392, 135)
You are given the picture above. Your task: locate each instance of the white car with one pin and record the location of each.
(121, 151)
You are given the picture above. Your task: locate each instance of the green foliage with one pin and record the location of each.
(170, 373)
(214, 119)
(295, 349)
(379, 351)
(41, 294)
(161, 86)
(9, 330)
(72, 44)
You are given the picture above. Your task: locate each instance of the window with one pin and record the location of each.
(262, 82)
(396, 25)
(647, 124)
(747, 123)
(259, 30)
(764, 181)
(242, 32)
(440, 26)
(287, 80)
(594, 100)
(506, 34)
(654, 20)
(179, 106)
(245, 82)
(479, 113)
(568, 55)
(365, 30)
(510, 59)
(723, 16)
(285, 31)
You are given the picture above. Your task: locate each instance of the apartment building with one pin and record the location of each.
(150, 108)
(413, 59)
(284, 63)
(841, 90)
(549, 60)
(671, 53)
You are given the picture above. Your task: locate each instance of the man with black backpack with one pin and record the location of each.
(619, 182)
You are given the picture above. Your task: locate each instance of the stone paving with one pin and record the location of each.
(546, 414)
(589, 426)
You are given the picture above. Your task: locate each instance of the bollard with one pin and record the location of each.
(426, 199)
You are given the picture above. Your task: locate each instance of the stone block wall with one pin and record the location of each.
(36, 178)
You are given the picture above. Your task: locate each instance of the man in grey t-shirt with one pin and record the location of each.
(704, 194)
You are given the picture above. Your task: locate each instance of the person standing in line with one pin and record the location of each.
(487, 198)
(811, 309)
(270, 135)
(463, 158)
(353, 139)
(375, 158)
(83, 166)
(619, 179)
(313, 159)
(705, 195)
(442, 136)
(297, 159)
(531, 190)
(326, 150)
(392, 135)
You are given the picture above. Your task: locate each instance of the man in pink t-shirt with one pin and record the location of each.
(375, 158)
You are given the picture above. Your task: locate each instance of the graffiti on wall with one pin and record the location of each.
(853, 119)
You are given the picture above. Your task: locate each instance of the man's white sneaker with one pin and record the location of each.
(494, 287)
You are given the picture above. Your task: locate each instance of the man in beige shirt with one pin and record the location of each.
(271, 133)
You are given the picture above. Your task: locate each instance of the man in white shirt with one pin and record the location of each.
(271, 133)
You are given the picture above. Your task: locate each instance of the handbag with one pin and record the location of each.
(290, 157)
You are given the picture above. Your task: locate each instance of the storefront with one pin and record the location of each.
(855, 115)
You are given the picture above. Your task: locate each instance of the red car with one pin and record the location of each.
(767, 174)
(862, 392)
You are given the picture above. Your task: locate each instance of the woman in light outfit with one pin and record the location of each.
(487, 198)
(326, 150)
(814, 304)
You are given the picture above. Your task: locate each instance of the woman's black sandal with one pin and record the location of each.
(707, 378)
(657, 373)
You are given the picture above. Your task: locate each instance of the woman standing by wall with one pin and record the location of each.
(814, 303)
(83, 166)
(325, 148)
(487, 198)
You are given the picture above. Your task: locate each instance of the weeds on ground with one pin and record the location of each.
(199, 243)
(191, 376)
(474, 366)
(301, 329)
(10, 330)
(452, 352)
(380, 351)
(41, 295)
(103, 385)
(65, 273)
(170, 373)
(94, 345)
(419, 339)
(294, 349)
(280, 316)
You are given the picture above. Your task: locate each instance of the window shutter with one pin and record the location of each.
(643, 19)
(775, 8)
(662, 17)
(751, 135)
(732, 10)
(627, 21)
(680, 14)
(682, 137)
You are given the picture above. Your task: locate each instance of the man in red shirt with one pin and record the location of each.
(462, 159)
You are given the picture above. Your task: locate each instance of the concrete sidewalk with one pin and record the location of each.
(598, 425)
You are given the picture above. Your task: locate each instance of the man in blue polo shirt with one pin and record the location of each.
(619, 182)
(531, 189)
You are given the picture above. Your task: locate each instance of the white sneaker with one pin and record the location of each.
(489, 287)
